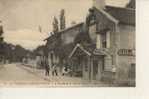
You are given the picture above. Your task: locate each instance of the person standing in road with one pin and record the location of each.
(54, 70)
(64, 70)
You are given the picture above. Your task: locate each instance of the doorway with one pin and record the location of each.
(98, 67)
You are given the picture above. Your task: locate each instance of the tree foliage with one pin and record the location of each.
(62, 19)
(55, 25)
(1, 32)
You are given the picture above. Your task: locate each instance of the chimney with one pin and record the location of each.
(99, 4)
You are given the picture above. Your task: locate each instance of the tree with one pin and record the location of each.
(83, 38)
(1, 32)
(19, 53)
(1, 42)
(62, 19)
(55, 25)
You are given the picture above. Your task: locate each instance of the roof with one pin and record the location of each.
(51, 37)
(66, 29)
(124, 15)
(90, 50)
(69, 28)
(80, 47)
(107, 15)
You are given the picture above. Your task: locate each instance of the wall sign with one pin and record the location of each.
(126, 52)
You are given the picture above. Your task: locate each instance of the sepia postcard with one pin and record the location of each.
(68, 43)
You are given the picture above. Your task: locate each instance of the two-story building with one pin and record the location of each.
(60, 44)
(101, 47)
(112, 47)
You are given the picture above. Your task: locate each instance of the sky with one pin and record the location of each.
(21, 18)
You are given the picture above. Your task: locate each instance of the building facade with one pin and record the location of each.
(60, 44)
(103, 47)
(112, 56)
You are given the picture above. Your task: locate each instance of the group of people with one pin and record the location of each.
(47, 68)
(54, 69)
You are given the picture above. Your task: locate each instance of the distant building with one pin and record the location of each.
(37, 57)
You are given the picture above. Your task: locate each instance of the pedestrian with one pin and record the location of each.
(64, 70)
(54, 70)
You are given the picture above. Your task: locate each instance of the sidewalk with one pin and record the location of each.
(65, 80)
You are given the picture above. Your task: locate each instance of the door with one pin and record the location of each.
(98, 67)
(95, 69)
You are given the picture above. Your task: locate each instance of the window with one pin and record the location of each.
(104, 41)
(105, 38)
(92, 32)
